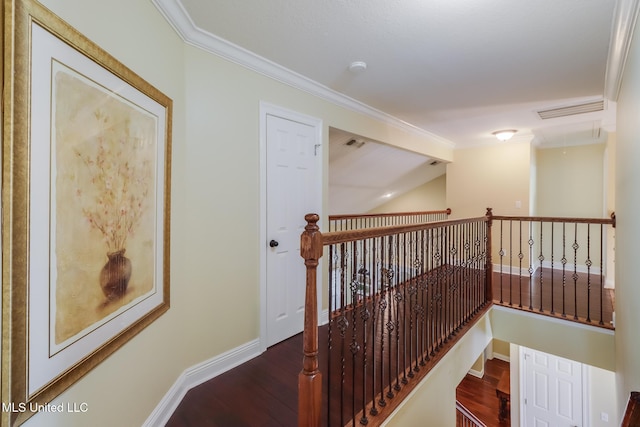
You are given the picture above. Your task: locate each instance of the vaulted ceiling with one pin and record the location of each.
(455, 70)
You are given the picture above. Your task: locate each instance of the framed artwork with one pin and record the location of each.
(86, 199)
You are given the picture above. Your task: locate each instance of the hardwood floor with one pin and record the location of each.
(478, 395)
(260, 392)
(553, 294)
(263, 391)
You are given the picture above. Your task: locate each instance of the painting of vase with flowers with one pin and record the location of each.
(105, 186)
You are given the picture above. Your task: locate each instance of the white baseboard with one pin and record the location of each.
(501, 357)
(477, 374)
(557, 266)
(514, 270)
(324, 317)
(198, 374)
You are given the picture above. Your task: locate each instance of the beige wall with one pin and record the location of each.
(610, 208)
(501, 348)
(427, 197)
(433, 402)
(125, 387)
(570, 181)
(627, 201)
(493, 176)
(215, 291)
(601, 399)
(590, 345)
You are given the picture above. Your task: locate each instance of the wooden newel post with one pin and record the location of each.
(489, 266)
(310, 379)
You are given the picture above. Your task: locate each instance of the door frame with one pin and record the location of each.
(267, 109)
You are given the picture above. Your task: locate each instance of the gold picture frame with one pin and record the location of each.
(86, 207)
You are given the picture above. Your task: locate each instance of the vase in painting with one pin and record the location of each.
(115, 275)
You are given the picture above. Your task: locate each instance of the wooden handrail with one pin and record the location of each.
(469, 419)
(606, 221)
(345, 222)
(334, 237)
(385, 215)
(310, 378)
(489, 264)
(632, 414)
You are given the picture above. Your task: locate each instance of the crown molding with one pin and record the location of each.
(624, 20)
(175, 13)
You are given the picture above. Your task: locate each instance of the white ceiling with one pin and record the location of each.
(365, 174)
(455, 70)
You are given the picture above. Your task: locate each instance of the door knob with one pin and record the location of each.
(273, 243)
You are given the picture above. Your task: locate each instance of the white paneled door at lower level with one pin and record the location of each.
(552, 390)
(292, 183)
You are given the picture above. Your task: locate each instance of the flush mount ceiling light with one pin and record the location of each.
(504, 135)
(357, 67)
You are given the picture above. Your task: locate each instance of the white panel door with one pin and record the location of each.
(292, 183)
(552, 390)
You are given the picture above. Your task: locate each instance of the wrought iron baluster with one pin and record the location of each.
(331, 324)
(354, 347)
(342, 327)
(564, 270)
(458, 271)
(429, 293)
(576, 246)
(365, 316)
(588, 263)
(422, 290)
(469, 281)
(501, 254)
(481, 263)
(398, 302)
(552, 269)
(530, 242)
(541, 259)
(382, 305)
(437, 314)
(375, 294)
(405, 313)
(601, 273)
(477, 267)
(390, 323)
(520, 256)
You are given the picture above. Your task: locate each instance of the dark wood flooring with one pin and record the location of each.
(263, 391)
(555, 294)
(478, 395)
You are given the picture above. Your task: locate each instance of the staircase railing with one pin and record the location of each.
(464, 417)
(360, 221)
(632, 413)
(398, 297)
(554, 266)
